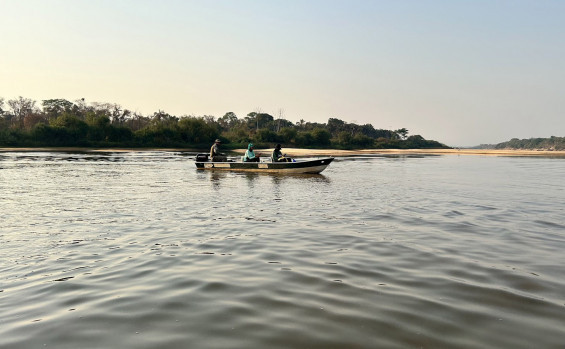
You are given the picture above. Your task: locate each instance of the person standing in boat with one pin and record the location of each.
(278, 155)
(215, 154)
(250, 154)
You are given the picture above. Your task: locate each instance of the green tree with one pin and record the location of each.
(12, 137)
(197, 131)
(402, 133)
(304, 138)
(137, 121)
(238, 134)
(344, 138)
(360, 140)
(287, 134)
(119, 134)
(228, 121)
(69, 121)
(336, 125)
(94, 119)
(70, 129)
(44, 134)
(1, 106)
(259, 120)
(161, 119)
(3, 121)
(21, 107)
(265, 135)
(55, 107)
(32, 119)
(321, 136)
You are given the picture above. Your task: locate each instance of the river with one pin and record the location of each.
(141, 250)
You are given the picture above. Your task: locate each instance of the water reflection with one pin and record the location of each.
(251, 177)
(216, 178)
(277, 178)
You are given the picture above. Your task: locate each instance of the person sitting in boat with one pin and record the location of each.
(278, 155)
(250, 154)
(215, 154)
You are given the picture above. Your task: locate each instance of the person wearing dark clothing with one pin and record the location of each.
(278, 155)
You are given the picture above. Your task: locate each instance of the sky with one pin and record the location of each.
(460, 72)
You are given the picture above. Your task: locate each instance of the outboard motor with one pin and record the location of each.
(202, 157)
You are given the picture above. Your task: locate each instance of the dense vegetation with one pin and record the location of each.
(552, 143)
(59, 122)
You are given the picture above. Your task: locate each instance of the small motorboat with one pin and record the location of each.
(296, 166)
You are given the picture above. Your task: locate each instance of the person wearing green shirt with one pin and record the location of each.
(250, 154)
(278, 155)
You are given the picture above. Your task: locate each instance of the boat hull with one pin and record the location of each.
(305, 166)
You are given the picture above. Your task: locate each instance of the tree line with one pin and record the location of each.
(552, 143)
(59, 122)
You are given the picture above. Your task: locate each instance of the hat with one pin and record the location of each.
(250, 146)
(217, 141)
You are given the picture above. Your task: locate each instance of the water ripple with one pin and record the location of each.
(140, 250)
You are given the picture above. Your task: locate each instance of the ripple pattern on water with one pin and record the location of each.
(140, 250)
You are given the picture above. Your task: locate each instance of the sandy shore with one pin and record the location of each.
(297, 152)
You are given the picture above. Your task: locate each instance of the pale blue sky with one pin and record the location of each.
(460, 72)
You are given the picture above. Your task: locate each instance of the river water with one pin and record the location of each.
(141, 250)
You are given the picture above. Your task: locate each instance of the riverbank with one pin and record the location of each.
(300, 152)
